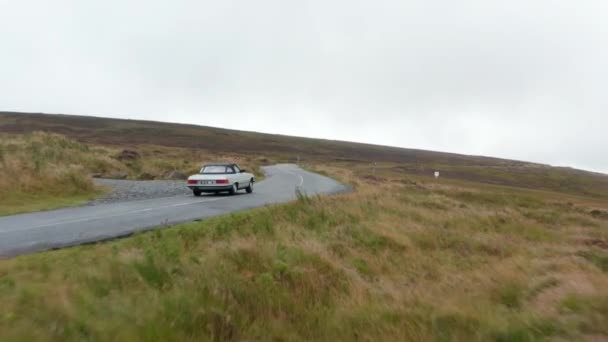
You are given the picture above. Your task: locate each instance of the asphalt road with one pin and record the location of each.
(26, 233)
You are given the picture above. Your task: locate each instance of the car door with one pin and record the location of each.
(242, 177)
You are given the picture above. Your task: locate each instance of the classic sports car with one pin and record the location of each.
(219, 178)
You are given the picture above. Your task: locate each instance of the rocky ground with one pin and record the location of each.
(130, 190)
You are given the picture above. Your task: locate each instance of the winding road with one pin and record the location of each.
(26, 233)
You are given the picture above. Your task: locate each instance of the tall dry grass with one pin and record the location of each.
(42, 163)
(399, 259)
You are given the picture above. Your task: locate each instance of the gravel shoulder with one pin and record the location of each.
(132, 190)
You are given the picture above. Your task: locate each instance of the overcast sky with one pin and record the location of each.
(521, 79)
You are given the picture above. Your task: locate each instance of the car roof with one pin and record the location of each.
(220, 164)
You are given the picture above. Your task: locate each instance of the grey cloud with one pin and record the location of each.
(517, 79)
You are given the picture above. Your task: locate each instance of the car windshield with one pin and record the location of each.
(216, 169)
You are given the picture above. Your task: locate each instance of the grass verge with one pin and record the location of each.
(399, 259)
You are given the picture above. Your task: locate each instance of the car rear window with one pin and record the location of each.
(216, 169)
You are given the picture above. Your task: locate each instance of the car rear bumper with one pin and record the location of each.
(212, 188)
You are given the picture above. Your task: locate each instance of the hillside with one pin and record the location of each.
(402, 257)
(124, 132)
(117, 132)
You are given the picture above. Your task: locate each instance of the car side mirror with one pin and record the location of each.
(243, 170)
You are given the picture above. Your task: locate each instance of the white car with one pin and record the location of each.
(216, 178)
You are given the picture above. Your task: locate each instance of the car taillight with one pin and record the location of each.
(221, 181)
(192, 181)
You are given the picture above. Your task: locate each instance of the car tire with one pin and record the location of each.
(233, 190)
(196, 193)
(250, 187)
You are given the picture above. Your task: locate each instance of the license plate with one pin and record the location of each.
(207, 182)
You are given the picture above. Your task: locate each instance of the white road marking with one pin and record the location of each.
(87, 219)
(297, 175)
